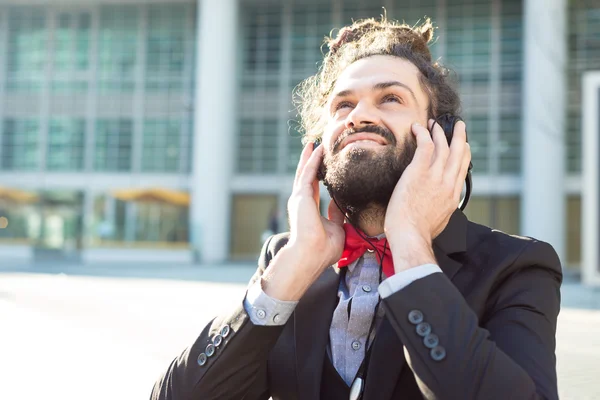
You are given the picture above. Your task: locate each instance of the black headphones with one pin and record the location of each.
(447, 123)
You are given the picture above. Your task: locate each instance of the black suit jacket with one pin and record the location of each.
(494, 310)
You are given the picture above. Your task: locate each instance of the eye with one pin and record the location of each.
(392, 98)
(342, 104)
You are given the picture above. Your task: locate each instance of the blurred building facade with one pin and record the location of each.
(99, 97)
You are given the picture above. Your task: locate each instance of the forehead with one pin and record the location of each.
(365, 73)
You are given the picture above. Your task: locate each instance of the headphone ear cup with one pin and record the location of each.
(447, 122)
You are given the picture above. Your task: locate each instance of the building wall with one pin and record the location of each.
(96, 97)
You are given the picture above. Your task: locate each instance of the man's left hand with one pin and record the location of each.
(427, 194)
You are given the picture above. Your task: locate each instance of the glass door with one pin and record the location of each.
(61, 223)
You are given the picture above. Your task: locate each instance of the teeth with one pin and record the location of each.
(365, 141)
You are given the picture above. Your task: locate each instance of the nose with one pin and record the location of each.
(361, 115)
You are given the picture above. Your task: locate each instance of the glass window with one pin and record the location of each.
(108, 221)
(310, 24)
(27, 44)
(477, 130)
(63, 43)
(584, 55)
(294, 148)
(22, 219)
(66, 143)
(166, 46)
(509, 146)
(113, 145)
(117, 47)
(252, 216)
(502, 213)
(466, 34)
(82, 41)
(262, 33)
(162, 145)
(71, 51)
(20, 144)
(163, 223)
(152, 224)
(258, 146)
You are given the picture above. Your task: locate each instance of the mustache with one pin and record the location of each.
(376, 129)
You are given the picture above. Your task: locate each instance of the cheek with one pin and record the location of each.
(401, 125)
(332, 130)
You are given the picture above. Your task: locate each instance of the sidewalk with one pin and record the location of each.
(222, 273)
(574, 294)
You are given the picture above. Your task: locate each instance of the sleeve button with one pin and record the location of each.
(202, 359)
(431, 340)
(210, 350)
(225, 331)
(217, 340)
(415, 317)
(438, 353)
(423, 329)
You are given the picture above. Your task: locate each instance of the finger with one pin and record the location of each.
(306, 152)
(464, 169)
(441, 149)
(425, 146)
(458, 147)
(316, 194)
(334, 214)
(308, 175)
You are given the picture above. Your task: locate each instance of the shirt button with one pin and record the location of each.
(370, 250)
(366, 288)
(276, 318)
(261, 314)
(356, 345)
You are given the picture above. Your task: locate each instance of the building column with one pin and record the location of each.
(215, 116)
(544, 114)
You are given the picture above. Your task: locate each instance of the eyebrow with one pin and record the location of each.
(381, 86)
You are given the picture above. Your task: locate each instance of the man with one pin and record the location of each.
(395, 295)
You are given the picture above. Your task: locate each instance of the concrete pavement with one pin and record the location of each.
(106, 332)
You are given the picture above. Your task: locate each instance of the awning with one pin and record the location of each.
(18, 196)
(153, 195)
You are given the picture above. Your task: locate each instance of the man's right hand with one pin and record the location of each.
(315, 242)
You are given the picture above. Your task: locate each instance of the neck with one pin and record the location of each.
(371, 220)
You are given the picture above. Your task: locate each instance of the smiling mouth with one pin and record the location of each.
(363, 139)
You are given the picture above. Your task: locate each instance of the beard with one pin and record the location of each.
(364, 179)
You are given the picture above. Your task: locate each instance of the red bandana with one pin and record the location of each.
(355, 246)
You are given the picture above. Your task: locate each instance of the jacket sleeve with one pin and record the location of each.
(228, 360)
(509, 354)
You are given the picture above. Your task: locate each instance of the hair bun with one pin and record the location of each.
(367, 30)
(353, 33)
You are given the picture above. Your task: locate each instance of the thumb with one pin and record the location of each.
(334, 214)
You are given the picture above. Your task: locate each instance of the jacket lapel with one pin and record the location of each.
(314, 311)
(387, 359)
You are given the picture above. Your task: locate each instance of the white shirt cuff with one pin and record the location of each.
(265, 310)
(402, 279)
